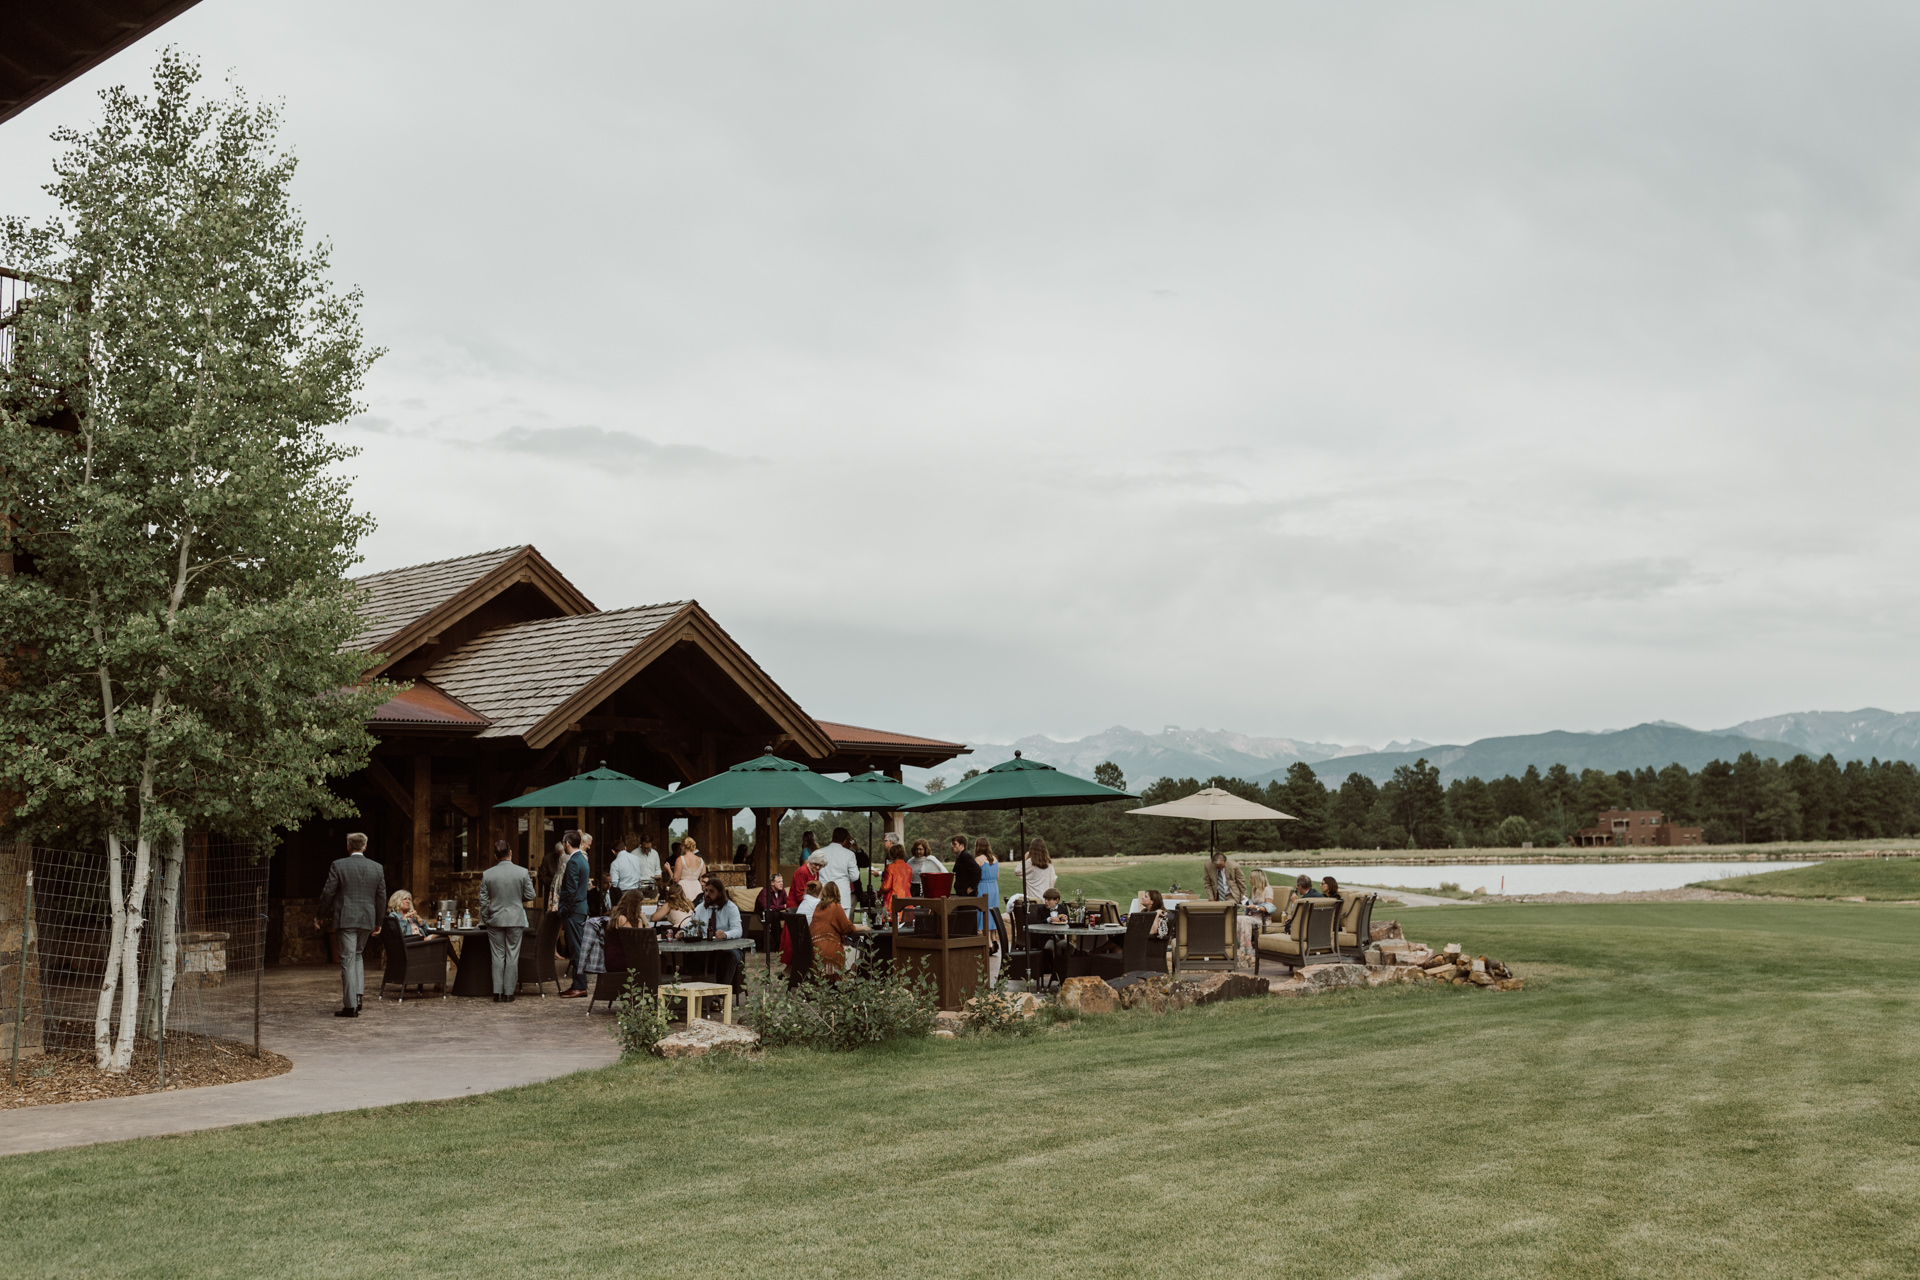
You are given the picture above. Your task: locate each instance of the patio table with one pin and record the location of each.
(1081, 940)
(474, 976)
(704, 946)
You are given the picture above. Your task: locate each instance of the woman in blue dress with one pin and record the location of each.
(990, 890)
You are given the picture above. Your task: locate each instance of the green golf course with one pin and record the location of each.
(1700, 1089)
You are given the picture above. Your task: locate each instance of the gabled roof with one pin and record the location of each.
(49, 45)
(519, 676)
(533, 680)
(403, 607)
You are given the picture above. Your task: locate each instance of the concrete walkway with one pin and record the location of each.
(412, 1052)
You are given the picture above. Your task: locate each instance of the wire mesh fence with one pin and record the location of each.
(201, 951)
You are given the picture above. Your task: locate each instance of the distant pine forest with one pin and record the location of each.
(1749, 800)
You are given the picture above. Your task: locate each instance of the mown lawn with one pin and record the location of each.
(1697, 1089)
(1888, 880)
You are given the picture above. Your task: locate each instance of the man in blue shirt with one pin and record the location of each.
(573, 911)
(721, 917)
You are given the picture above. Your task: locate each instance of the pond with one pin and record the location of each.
(1565, 877)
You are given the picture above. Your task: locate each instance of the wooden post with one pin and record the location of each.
(420, 882)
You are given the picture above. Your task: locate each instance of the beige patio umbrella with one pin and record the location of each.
(1211, 805)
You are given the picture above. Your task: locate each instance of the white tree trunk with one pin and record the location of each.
(116, 937)
(136, 917)
(166, 919)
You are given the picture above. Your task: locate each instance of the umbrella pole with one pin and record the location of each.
(1026, 904)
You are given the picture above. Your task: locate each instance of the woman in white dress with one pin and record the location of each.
(689, 869)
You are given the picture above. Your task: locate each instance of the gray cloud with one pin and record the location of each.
(614, 450)
(1337, 372)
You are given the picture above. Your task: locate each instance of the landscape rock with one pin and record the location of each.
(1089, 995)
(946, 1021)
(1384, 930)
(1020, 1004)
(1333, 977)
(1159, 994)
(1216, 987)
(703, 1037)
(941, 1033)
(1508, 984)
(1381, 975)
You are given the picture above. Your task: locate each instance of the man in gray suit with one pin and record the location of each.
(355, 896)
(505, 892)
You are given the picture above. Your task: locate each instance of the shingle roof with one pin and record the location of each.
(517, 676)
(397, 598)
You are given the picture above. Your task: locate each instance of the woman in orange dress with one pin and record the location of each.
(897, 880)
(830, 929)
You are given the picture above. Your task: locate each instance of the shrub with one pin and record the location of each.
(994, 1013)
(639, 1021)
(845, 1013)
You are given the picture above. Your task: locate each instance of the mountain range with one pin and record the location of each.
(1203, 753)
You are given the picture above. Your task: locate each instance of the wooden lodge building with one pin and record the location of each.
(518, 681)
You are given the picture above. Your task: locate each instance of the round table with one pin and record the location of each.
(1087, 936)
(474, 977)
(672, 946)
(706, 946)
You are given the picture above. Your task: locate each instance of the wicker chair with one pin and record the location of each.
(538, 964)
(1305, 937)
(633, 960)
(1205, 935)
(1023, 959)
(413, 962)
(1141, 952)
(1350, 937)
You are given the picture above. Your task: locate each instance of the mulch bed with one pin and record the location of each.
(193, 1062)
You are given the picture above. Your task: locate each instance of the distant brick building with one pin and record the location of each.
(1621, 827)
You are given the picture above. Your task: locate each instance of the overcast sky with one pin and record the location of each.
(1340, 372)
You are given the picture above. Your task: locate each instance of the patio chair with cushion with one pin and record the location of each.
(538, 964)
(413, 962)
(633, 960)
(1205, 935)
(1356, 922)
(1140, 952)
(1305, 937)
(1024, 959)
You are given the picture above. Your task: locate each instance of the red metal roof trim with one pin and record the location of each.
(851, 735)
(428, 705)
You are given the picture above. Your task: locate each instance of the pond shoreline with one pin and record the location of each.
(1522, 857)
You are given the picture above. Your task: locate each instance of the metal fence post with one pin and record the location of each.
(259, 957)
(20, 1000)
(161, 995)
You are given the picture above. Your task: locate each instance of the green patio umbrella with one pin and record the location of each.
(769, 783)
(601, 788)
(1020, 784)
